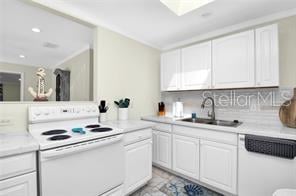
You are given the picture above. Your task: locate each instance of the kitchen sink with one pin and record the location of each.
(225, 123)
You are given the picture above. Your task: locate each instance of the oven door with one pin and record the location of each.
(85, 169)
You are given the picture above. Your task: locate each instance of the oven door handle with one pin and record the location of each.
(80, 147)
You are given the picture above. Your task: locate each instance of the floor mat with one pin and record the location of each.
(182, 187)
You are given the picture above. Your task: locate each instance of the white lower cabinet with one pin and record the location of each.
(207, 156)
(115, 192)
(218, 165)
(24, 185)
(186, 156)
(17, 165)
(154, 146)
(138, 165)
(18, 175)
(162, 149)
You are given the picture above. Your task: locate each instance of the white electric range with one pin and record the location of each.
(78, 156)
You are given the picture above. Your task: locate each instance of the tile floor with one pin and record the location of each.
(166, 184)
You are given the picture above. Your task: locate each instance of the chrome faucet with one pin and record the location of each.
(210, 114)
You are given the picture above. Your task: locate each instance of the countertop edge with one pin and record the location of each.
(246, 128)
(130, 125)
(19, 150)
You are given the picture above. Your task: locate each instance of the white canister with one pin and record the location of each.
(103, 117)
(122, 113)
(178, 109)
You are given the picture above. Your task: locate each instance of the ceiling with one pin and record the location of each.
(17, 18)
(152, 23)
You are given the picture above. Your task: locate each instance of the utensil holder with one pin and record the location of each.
(122, 113)
(103, 117)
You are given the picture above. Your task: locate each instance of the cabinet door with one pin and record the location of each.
(186, 156)
(170, 70)
(196, 67)
(234, 61)
(154, 146)
(24, 185)
(218, 165)
(267, 56)
(164, 149)
(138, 165)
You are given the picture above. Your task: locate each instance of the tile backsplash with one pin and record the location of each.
(247, 105)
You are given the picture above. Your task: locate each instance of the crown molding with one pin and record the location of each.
(77, 14)
(232, 28)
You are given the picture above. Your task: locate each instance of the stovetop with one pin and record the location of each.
(56, 134)
(59, 125)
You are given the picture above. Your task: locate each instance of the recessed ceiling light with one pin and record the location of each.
(181, 7)
(36, 30)
(22, 56)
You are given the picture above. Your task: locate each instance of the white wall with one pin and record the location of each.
(81, 77)
(123, 68)
(287, 49)
(126, 68)
(17, 113)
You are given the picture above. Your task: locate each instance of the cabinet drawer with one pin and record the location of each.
(16, 165)
(136, 136)
(212, 135)
(24, 185)
(163, 127)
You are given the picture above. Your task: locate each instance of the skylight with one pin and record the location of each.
(181, 7)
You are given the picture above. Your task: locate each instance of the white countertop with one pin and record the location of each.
(129, 125)
(13, 143)
(279, 131)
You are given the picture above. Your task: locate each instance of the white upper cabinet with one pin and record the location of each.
(196, 67)
(234, 61)
(170, 70)
(267, 56)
